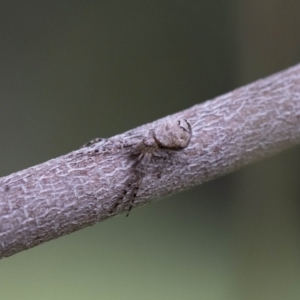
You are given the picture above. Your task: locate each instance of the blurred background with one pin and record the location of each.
(71, 71)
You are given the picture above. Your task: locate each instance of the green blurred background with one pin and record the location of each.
(71, 71)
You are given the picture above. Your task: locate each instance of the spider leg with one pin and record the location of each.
(92, 142)
(141, 171)
(133, 196)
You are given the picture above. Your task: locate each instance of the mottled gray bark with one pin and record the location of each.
(104, 179)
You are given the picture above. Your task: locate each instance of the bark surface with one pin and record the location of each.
(100, 181)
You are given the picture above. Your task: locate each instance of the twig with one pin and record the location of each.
(104, 179)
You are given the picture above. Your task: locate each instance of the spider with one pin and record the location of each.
(169, 136)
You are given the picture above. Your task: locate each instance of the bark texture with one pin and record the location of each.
(100, 181)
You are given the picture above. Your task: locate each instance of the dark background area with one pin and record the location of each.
(71, 71)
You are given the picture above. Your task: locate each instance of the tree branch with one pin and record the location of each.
(104, 179)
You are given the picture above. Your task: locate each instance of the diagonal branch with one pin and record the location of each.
(101, 180)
